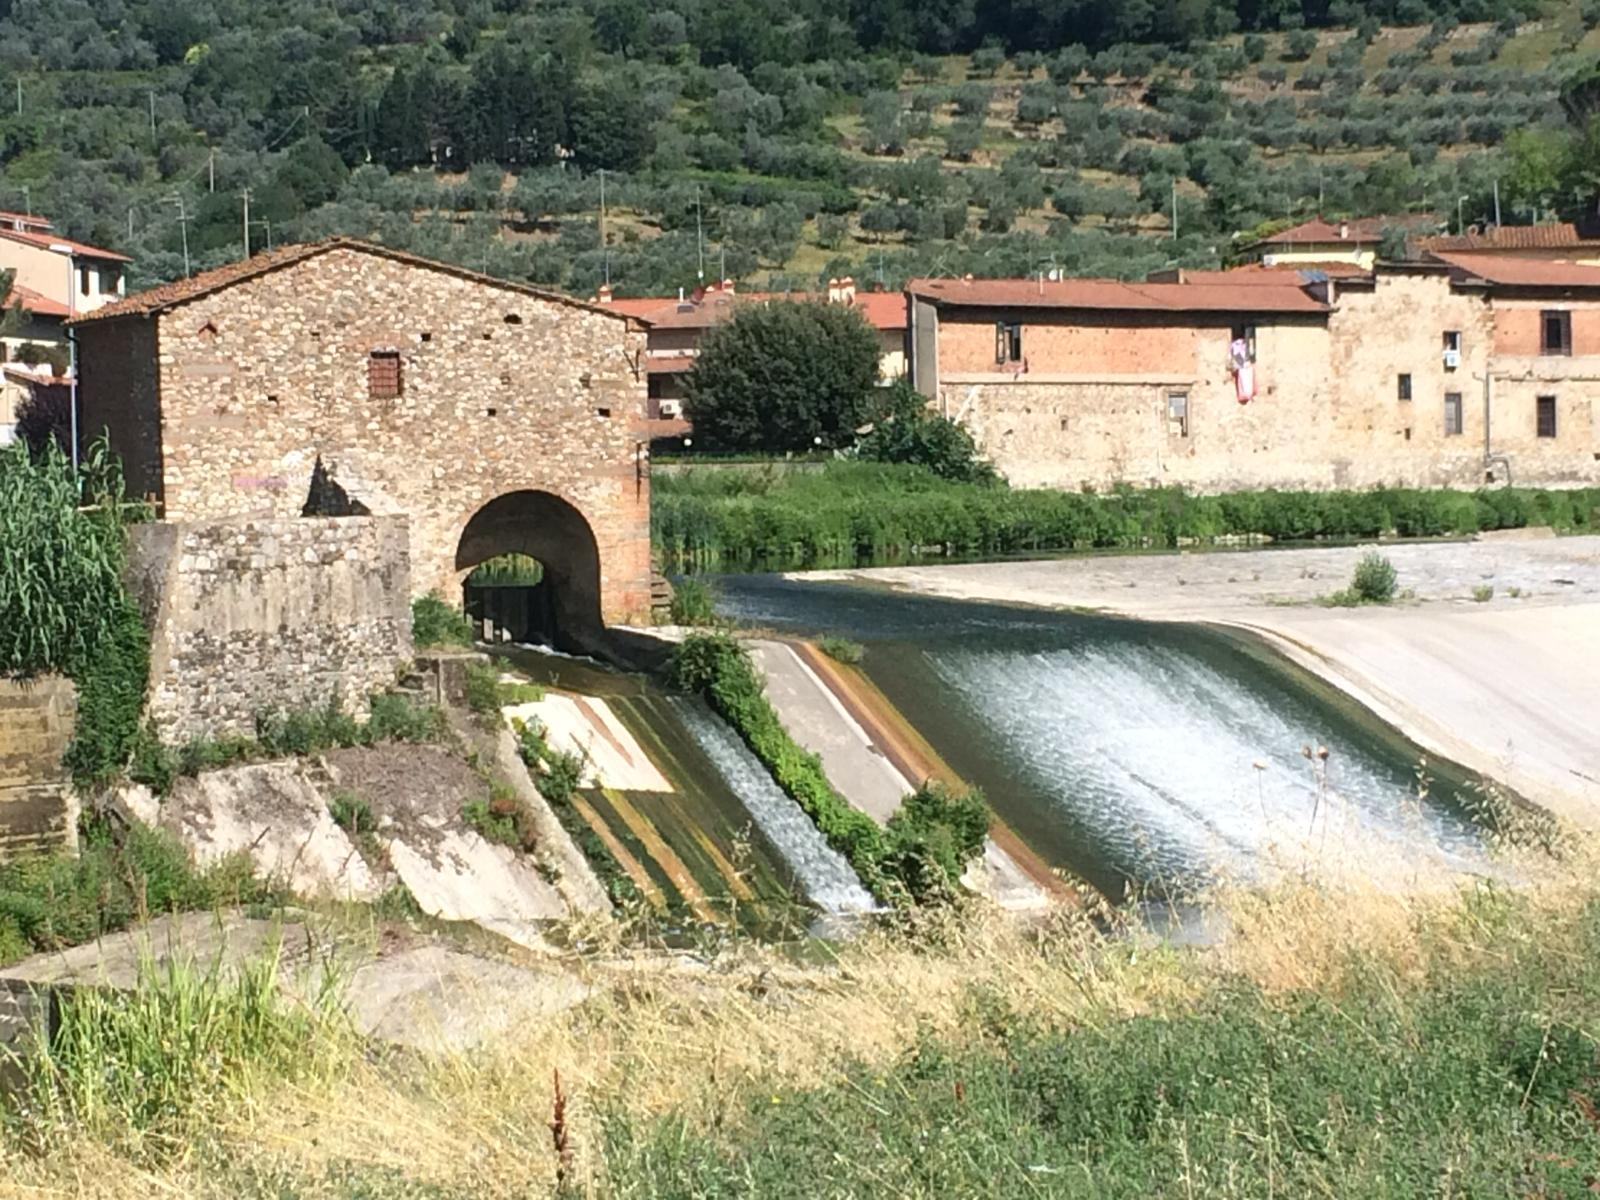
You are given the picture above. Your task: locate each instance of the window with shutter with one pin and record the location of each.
(383, 374)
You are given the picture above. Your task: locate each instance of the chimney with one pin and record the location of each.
(833, 290)
(847, 290)
(1344, 230)
(603, 296)
(967, 278)
(727, 287)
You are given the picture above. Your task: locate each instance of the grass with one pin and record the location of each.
(841, 649)
(119, 877)
(854, 512)
(1483, 593)
(1337, 1042)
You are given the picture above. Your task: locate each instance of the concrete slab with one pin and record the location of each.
(274, 813)
(586, 726)
(816, 719)
(458, 876)
(435, 999)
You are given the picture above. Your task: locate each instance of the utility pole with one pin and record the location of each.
(183, 223)
(1497, 204)
(19, 95)
(1461, 221)
(211, 166)
(152, 97)
(130, 225)
(605, 243)
(699, 238)
(27, 201)
(246, 222)
(1174, 210)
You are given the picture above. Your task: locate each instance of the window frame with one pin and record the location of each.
(1403, 385)
(1182, 420)
(385, 375)
(1542, 405)
(1563, 347)
(1247, 335)
(1454, 405)
(1007, 342)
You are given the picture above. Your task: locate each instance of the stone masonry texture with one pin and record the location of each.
(223, 402)
(37, 810)
(250, 615)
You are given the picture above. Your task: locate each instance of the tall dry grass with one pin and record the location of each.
(664, 1033)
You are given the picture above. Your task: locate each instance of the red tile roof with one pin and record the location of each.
(1257, 275)
(50, 241)
(36, 303)
(1507, 270)
(882, 310)
(1557, 235)
(181, 291)
(1285, 297)
(1357, 231)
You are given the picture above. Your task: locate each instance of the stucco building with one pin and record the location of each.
(499, 418)
(1449, 372)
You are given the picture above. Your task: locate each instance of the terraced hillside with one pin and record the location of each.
(776, 146)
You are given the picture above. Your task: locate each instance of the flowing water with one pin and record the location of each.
(820, 871)
(726, 831)
(1128, 752)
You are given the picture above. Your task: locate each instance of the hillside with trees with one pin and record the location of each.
(781, 142)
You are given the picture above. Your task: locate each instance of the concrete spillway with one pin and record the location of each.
(1132, 753)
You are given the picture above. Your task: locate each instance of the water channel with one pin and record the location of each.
(1136, 753)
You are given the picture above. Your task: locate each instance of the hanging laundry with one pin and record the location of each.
(1244, 371)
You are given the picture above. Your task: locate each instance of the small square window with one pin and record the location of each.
(1452, 340)
(1247, 335)
(383, 375)
(1178, 414)
(1545, 416)
(1555, 332)
(1405, 387)
(1452, 414)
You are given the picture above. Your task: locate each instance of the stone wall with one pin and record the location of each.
(502, 392)
(1329, 411)
(254, 614)
(37, 809)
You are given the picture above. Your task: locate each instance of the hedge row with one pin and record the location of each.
(833, 517)
(917, 858)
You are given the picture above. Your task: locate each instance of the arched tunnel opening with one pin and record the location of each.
(539, 576)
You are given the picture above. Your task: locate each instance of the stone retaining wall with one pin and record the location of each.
(253, 614)
(37, 809)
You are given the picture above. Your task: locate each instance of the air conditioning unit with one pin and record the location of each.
(1452, 359)
(671, 410)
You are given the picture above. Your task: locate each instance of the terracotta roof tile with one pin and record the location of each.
(1557, 235)
(1285, 297)
(1507, 270)
(181, 291)
(38, 304)
(1358, 231)
(51, 240)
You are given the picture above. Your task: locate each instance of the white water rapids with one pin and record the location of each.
(1183, 772)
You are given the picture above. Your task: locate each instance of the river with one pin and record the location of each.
(1141, 756)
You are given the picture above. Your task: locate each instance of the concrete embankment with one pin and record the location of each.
(1491, 659)
(874, 758)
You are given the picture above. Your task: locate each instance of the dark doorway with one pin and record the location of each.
(563, 607)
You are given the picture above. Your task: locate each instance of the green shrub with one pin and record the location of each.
(1374, 580)
(557, 775)
(435, 622)
(841, 649)
(483, 688)
(913, 862)
(1483, 593)
(352, 814)
(495, 818)
(693, 603)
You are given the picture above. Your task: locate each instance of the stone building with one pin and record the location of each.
(499, 418)
(1449, 372)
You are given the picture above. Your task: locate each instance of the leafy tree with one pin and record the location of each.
(609, 131)
(907, 432)
(1299, 45)
(783, 377)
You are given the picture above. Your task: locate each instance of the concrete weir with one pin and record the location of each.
(875, 760)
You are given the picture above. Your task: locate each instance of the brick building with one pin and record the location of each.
(499, 417)
(1443, 373)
